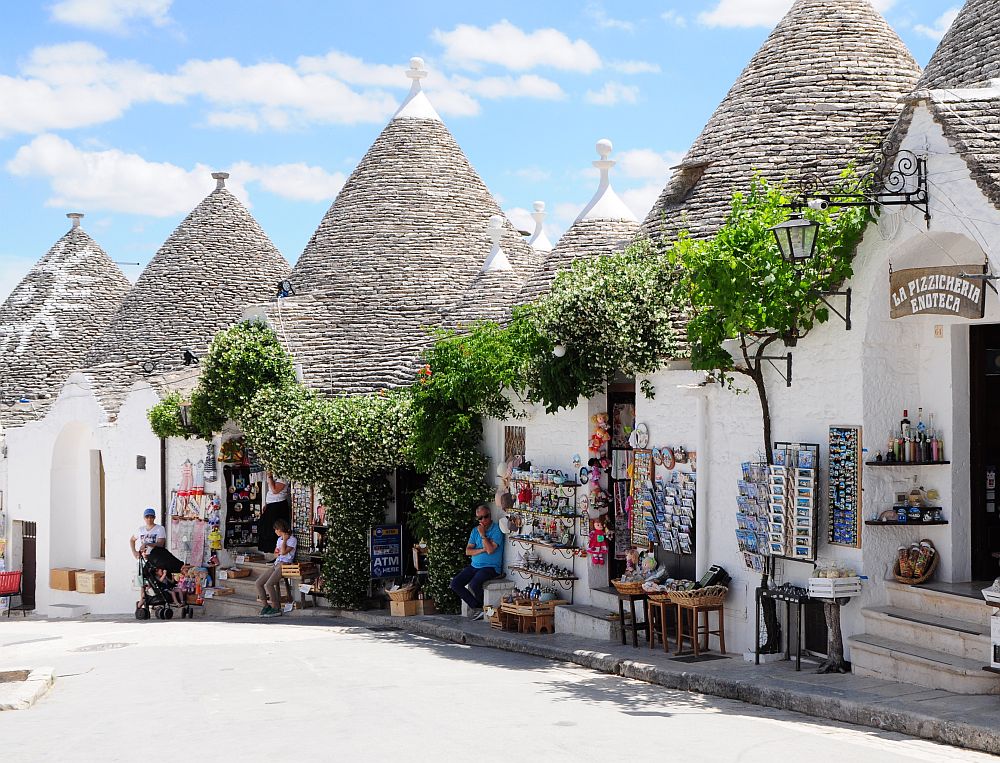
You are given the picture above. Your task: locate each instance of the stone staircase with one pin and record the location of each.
(598, 620)
(244, 602)
(928, 638)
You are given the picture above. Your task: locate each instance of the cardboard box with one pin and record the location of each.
(426, 607)
(90, 581)
(404, 608)
(63, 578)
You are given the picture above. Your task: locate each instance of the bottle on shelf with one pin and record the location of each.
(921, 427)
(904, 425)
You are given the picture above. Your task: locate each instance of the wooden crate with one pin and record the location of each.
(305, 569)
(833, 588)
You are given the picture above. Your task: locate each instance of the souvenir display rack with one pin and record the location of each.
(752, 516)
(546, 503)
(643, 532)
(301, 497)
(793, 482)
(672, 522)
(243, 507)
(844, 488)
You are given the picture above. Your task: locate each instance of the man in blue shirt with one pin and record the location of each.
(486, 550)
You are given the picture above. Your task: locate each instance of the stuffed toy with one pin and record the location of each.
(524, 495)
(601, 434)
(598, 545)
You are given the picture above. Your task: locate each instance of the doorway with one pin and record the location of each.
(23, 556)
(984, 431)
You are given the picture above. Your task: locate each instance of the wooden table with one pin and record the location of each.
(634, 626)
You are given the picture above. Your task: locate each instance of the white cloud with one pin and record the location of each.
(76, 85)
(640, 200)
(674, 18)
(524, 86)
(600, 17)
(752, 13)
(111, 15)
(613, 93)
(533, 174)
(635, 67)
(506, 45)
(115, 181)
(940, 26)
(299, 181)
(520, 218)
(647, 164)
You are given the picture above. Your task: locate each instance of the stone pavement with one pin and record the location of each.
(955, 719)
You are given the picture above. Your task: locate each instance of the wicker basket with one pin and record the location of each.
(628, 589)
(710, 596)
(659, 596)
(928, 573)
(407, 593)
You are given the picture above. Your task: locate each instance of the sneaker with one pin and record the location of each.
(479, 615)
(264, 612)
(471, 614)
(272, 612)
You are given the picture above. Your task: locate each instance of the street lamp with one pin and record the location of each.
(796, 239)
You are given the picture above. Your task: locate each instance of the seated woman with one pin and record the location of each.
(268, 586)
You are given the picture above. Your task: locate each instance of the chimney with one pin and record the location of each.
(75, 217)
(220, 180)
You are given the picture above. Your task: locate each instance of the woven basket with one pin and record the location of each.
(928, 573)
(659, 596)
(629, 589)
(409, 593)
(710, 596)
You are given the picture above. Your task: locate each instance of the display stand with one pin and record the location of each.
(243, 507)
(774, 595)
(844, 483)
(547, 522)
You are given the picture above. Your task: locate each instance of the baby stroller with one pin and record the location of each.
(156, 597)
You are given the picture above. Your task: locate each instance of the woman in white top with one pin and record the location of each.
(276, 506)
(269, 586)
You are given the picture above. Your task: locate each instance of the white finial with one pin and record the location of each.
(75, 217)
(220, 179)
(417, 70)
(416, 105)
(497, 259)
(606, 205)
(539, 241)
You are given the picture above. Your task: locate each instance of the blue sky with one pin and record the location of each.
(121, 108)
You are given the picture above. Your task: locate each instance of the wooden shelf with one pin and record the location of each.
(906, 463)
(875, 522)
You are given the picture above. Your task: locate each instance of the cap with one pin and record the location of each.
(149, 512)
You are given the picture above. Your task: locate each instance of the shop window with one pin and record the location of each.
(514, 442)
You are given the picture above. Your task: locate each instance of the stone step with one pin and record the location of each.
(945, 634)
(67, 610)
(938, 603)
(891, 660)
(607, 597)
(236, 605)
(588, 622)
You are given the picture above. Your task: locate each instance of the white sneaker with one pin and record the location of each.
(479, 615)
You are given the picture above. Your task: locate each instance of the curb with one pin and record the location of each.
(23, 694)
(874, 715)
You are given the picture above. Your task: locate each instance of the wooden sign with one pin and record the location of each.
(937, 291)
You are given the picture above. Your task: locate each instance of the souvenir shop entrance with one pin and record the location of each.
(984, 431)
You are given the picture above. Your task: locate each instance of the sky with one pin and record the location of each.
(121, 109)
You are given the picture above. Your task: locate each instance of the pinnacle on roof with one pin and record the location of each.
(826, 82)
(605, 226)
(606, 204)
(51, 318)
(416, 105)
(969, 53)
(539, 240)
(490, 297)
(497, 260)
(215, 263)
(396, 253)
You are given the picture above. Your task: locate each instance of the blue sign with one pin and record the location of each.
(386, 544)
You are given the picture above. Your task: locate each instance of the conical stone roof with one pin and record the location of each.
(605, 226)
(394, 256)
(969, 53)
(214, 264)
(820, 90)
(50, 320)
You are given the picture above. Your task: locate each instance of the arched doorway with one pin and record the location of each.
(77, 500)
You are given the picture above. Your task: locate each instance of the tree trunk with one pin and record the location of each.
(835, 662)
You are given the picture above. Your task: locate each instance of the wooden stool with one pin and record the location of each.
(698, 628)
(633, 625)
(657, 612)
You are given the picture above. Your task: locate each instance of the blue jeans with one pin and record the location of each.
(468, 584)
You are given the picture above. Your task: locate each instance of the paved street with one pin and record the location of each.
(319, 690)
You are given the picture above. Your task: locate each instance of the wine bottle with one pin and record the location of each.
(904, 425)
